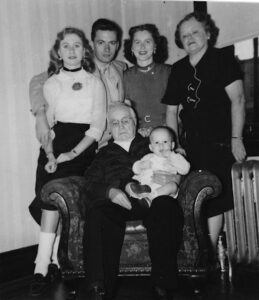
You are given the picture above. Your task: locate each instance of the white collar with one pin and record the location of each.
(124, 144)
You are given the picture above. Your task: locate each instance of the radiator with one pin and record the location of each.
(242, 223)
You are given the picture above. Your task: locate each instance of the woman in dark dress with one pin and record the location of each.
(207, 83)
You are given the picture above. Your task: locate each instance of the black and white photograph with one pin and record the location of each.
(129, 154)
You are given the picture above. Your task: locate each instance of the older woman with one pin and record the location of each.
(145, 83)
(208, 84)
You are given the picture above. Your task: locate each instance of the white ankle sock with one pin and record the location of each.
(55, 251)
(45, 248)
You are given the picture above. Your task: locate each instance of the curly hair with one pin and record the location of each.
(209, 26)
(56, 63)
(161, 54)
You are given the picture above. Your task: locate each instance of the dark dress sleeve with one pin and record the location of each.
(231, 70)
(173, 94)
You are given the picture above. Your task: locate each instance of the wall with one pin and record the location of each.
(27, 30)
(238, 22)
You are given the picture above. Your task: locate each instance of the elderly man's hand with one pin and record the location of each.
(118, 197)
(163, 177)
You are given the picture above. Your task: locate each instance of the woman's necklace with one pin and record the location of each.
(146, 68)
(76, 85)
(72, 70)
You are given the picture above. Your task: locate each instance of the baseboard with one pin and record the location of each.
(17, 264)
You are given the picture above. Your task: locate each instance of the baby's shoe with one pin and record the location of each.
(137, 190)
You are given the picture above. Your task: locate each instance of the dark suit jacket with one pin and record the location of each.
(112, 167)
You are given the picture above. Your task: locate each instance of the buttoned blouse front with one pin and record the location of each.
(201, 90)
(76, 97)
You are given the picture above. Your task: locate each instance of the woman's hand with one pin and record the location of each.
(51, 166)
(181, 151)
(145, 132)
(238, 149)
(67, 156)
(162, 177)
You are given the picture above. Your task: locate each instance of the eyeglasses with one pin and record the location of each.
(124, 122)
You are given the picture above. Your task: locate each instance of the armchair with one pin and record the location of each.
(67, 194)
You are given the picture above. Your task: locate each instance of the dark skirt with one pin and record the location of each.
(217, 158)
(67, 136)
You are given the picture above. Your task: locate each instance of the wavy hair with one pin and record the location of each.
(208, 23)
(106, 25)
(56, 63)
(161, 54)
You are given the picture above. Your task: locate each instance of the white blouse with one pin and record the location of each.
(77, 97)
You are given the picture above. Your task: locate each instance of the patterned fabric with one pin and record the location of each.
(67, 195)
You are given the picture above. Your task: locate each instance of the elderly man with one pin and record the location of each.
(110, 208)
(106, 38)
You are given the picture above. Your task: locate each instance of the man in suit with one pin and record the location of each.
(109, 208)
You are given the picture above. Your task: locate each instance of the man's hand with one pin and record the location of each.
(117, 196)
(42, 128)
(162, 177)
(145, 165)
(238, 149)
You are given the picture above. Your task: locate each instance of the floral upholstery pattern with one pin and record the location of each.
(68, 194)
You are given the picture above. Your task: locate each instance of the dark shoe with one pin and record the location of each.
(72, 295)
(137, 189)
(146, 202)
(160, 293)
(96, 293)
(39, 284)
(53, 272)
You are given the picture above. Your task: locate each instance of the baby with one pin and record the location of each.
(163, 159)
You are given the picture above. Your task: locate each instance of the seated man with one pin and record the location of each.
(109, 208)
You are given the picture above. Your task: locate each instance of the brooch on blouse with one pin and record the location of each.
(77, 86)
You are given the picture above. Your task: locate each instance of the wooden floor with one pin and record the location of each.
(136, 288)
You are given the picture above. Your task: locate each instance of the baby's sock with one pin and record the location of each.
(44, 253)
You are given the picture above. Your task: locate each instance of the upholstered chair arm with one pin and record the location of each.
(68, 195)
(196, 188)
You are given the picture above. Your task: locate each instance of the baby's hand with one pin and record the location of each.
(145, 164)
(51, 166)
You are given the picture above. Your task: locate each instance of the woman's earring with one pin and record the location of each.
(154, 51)
(59, 58)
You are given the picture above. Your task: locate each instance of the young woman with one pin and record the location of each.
(145, 83)
(76, 112)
